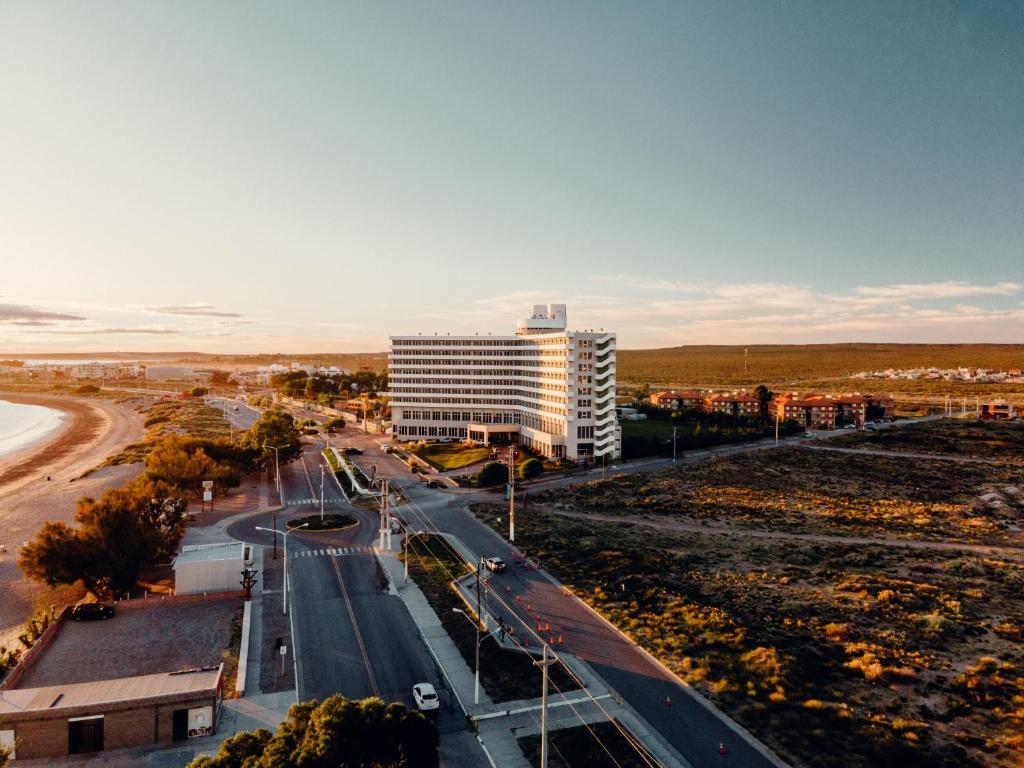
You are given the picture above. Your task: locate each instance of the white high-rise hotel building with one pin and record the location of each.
(546, 388)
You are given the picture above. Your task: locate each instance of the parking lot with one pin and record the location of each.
(146, 636)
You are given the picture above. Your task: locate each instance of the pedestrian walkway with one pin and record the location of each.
(333, 552)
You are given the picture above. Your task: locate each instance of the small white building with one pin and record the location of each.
(200, 568)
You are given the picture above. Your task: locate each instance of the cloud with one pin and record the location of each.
(21, 314)
(193, 310)
(940, 290)
(116, 331)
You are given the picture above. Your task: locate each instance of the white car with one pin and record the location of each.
(426, 697)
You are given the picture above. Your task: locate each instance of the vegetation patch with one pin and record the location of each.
(506, 675)
(806, 491)
(327, 523)
(598, 745)
(447, 456)
(973, 438)
(178, 417)
(840, 655)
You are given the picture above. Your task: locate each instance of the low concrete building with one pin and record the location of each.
(738, 404)
(201, 568)
(82, 718)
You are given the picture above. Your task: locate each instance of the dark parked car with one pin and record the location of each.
(435, 484)
(91, 611)
(354, 451)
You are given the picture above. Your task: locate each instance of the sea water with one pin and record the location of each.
(21, 425)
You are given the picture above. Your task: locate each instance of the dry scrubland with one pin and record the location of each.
(183, 417)
(996, 441)
(714, 365)
(835, 654)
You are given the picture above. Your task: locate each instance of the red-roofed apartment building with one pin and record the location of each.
(851, 409)
(738, 404)
(689, 400)
(809, 410)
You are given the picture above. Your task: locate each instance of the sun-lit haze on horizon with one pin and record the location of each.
(264, 177)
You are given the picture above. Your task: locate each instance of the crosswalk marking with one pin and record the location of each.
(357, 549)
(312, 502)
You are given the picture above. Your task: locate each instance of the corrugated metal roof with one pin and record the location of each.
(108, 691)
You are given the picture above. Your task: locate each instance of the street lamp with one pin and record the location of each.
(476, 676)
(277, 468)
(284, 535)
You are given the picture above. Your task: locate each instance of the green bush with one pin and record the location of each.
(493, 474)
(531, 468)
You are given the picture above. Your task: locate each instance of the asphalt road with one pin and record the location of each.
(688, 724)
(349, 635)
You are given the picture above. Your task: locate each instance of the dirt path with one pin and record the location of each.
(913, 455)
(1012, 553)
(94, 429)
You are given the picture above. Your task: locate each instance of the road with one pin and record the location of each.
(688, 724)
(350, 636)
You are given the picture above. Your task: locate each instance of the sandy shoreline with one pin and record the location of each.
(81, 425)
(93, 430)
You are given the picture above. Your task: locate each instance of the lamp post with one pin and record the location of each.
(277, 468)
(476, 676)
(284, 535)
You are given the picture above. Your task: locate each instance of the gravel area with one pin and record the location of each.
(146, 637)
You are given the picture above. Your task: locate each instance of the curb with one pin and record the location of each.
(243, 649)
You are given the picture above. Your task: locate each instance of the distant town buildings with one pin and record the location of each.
(546, 387)
(973, 375)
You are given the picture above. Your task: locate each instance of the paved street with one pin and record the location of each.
(689, 725)
(350, 636)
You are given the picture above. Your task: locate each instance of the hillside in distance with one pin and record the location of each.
(782, 363)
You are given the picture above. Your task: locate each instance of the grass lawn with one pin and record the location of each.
(656, 430)
(582, 746)
(447, 456)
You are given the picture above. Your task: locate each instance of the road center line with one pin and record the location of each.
(355, 626)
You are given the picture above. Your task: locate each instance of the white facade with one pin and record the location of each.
(546, 388)
(218, 567)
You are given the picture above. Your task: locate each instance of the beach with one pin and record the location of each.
(92, 429)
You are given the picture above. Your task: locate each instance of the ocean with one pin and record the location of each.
(22, 425)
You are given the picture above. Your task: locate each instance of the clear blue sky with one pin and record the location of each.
(314, 176)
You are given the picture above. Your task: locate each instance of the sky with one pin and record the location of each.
(298, 177)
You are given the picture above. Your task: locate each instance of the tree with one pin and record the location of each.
(199, 392)
(220, 378)
(764, 395)
(494, 473)
(115, 538)
(273, 428)
(334, 733)
(531, 468)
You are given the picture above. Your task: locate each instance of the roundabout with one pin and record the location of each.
(325, 524)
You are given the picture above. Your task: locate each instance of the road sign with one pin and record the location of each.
(207, 495)
(284, 650)
(207, 484)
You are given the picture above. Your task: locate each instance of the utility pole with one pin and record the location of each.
(674, 430)
(544, 664)
(744, 361)
(776, 427)
(387, 509)
(511, 494)
(321, 493)
(385, 521)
